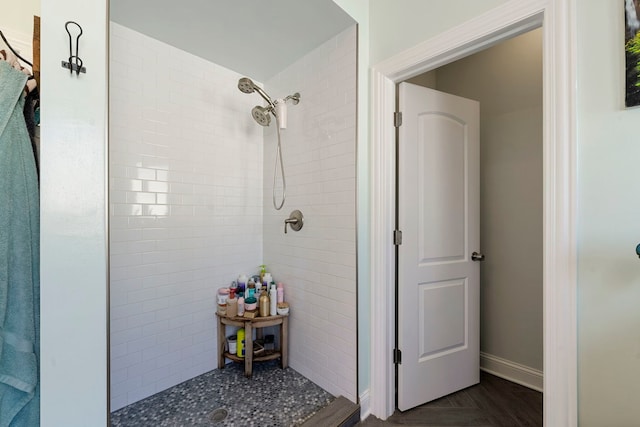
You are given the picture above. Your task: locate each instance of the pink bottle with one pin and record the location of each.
(280, 292)
(241, 306)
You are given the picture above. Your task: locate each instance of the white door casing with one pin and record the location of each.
(438, 214)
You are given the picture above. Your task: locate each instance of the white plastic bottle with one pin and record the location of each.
(266, 280)
(273, 300)
(241, 306)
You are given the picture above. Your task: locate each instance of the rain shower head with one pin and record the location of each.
(261, 115)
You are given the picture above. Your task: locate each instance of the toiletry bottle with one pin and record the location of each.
(264, 304)
(241, 306)
(263, 270)
(242, 284)
(240, 343)
(223, 295)
(273, 299)
(280, 292)
(267, 279)
(251, 289)
(232, 304)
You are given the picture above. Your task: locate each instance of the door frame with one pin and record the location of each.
(557, 18)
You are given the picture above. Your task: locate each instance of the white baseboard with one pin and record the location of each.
(365, 405)
(512, 371)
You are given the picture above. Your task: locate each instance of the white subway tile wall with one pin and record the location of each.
(318, 263)
(186, 173)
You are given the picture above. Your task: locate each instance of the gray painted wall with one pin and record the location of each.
(507, 80)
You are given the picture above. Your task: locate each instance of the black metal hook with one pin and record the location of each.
(75, 62)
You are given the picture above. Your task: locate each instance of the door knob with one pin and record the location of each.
(477, 256)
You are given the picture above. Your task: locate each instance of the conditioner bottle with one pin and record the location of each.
(273, 299)
(232, 304)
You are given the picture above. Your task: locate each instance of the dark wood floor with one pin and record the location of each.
(494, 402)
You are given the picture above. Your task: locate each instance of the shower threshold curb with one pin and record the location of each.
(339, 413)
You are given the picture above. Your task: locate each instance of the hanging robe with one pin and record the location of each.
(19, 260)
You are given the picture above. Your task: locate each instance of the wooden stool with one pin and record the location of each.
(249, 325)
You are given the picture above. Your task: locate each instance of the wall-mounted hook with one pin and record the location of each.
(75, 62)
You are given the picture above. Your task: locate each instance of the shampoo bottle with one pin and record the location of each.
(242, 284)
(241, 306)
(232, 304)
(273, 298)
(240, 343)
(264, 304)
(280, 292)
(266, 280)
(251, 289)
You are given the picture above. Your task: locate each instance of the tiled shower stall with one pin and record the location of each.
(190, 209)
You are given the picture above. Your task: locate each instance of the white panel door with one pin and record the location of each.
(438, 214)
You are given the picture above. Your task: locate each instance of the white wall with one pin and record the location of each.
(185, 207)
(397, 25)
(507, 80)
(318, 263)
(608, 227)
(74, 219)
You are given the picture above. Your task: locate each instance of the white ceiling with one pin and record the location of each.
(252, 37)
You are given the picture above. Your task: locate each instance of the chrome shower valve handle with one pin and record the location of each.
(295, 221)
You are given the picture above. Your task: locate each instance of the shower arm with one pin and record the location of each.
(295, 98)
(265, 96)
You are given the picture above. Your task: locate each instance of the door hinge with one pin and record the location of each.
(397, 119)
(397, 356)
(397, 237)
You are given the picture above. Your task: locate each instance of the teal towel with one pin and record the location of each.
(19, 260)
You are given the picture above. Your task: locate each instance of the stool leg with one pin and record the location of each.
(284, 342)
(221, 340)
(248, 345)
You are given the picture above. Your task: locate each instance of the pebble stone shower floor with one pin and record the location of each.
(273, 397)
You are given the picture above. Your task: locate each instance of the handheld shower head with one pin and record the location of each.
(246, 85)
(261, 115)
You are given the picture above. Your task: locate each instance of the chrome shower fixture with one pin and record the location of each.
(295, 98)
(261, 114)
(246, 85)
